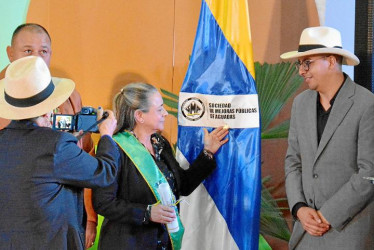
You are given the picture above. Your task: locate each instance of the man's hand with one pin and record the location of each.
(90, 234)
(79, 133)
(312, 222)
(322, 218)
(108, 126)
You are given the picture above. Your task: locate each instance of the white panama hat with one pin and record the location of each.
(322, 40)
(28, 90)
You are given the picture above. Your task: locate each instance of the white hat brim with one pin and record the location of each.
(63, 89)
(348, 57)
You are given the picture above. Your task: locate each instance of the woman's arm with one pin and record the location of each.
(204, 164)
(109, 203)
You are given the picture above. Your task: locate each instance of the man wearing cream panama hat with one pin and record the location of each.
(330, 149)
(43, 172)
(32, 39)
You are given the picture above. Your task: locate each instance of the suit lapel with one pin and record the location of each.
(342, 105)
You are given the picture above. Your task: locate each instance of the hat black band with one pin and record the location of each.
(306, 47)
(30, 101)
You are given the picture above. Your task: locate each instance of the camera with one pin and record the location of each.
(85, 120)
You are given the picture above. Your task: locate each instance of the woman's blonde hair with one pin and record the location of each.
(132, 97)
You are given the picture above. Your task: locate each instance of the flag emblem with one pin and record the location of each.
(193, 109)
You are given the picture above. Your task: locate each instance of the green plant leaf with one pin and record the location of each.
(170, 94)
(279, 131)
(272, 222)
(170, 103)
(173, 113)
(276, 83)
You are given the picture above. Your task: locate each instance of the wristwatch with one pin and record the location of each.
(208, 154)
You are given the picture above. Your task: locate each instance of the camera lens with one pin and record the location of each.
(86, 110)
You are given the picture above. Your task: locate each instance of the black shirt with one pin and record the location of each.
(322, 117)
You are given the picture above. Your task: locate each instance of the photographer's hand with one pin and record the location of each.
(108, 126)
(78, 134)
(99, 113)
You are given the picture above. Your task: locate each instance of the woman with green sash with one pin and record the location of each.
(140, 208)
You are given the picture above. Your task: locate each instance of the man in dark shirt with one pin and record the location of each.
(330, 149)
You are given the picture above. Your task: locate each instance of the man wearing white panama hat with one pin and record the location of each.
(330, 149)
(43, 171)
(32, 39)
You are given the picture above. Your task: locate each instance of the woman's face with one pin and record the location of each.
(154, 119)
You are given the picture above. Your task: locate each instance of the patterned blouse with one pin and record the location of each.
(158, 145)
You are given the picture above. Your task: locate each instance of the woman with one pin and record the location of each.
(134, 216)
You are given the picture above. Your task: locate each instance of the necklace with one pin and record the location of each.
(150, 151)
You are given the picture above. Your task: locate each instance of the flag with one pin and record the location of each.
(219, 89)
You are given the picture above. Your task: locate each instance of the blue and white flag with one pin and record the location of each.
(219, 89)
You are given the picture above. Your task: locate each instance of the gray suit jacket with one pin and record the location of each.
(328, 176)
(42, 176)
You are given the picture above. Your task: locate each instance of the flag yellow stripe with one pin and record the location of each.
(233, 19)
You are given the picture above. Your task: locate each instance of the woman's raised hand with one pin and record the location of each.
(215, 139)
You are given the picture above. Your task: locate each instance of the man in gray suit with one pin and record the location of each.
(43, 171)
(330, 149)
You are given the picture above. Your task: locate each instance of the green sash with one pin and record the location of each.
(151, 174)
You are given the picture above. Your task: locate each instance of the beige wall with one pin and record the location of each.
(277, 24)
(103, 45)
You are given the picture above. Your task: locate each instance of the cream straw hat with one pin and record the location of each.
(28, 90)
(322, 40)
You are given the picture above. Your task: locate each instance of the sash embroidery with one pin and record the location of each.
(147, 167)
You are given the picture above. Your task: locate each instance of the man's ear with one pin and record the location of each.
(9, 51)
(332, 61)
(43, 120)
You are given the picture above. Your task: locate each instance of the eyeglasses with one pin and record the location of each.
(306, 64)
